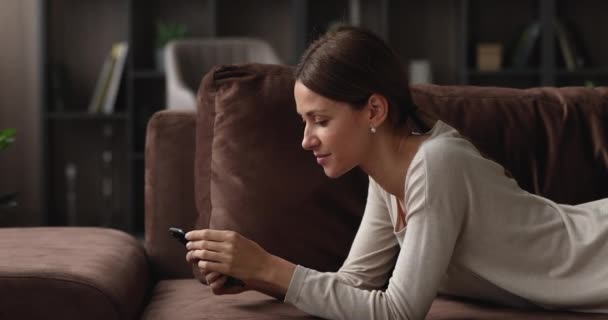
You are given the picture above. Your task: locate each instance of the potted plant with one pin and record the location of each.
(166, 32)
(7, 137)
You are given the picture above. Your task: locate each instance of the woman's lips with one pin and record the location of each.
(322, 158)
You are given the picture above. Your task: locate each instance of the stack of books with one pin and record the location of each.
(108, 82)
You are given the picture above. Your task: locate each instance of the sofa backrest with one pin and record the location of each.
(553, 140)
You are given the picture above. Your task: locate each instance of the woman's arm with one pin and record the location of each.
(420, 267)
(375, 248)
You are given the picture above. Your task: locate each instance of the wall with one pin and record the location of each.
(20, 107)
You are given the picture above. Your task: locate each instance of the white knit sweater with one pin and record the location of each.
(471, 231)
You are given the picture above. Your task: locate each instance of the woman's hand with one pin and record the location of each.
(219, 254)
(226, 253)
(217, 282)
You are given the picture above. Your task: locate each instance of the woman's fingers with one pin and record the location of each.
(190, 257)
(212, 277)
(206, 255)
(205, 244)
(212, 266)
(219, 282)
(219, 287)
(210, 234)
(194, 256)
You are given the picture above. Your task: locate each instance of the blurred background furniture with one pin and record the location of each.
(187, 59)
(442, 33)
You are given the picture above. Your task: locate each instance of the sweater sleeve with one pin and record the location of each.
(375, 247)
(432, 229)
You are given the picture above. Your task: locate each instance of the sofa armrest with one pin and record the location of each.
(169, 190)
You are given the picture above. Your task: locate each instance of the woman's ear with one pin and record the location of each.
(378, 109)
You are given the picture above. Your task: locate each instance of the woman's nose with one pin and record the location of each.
(309, 141)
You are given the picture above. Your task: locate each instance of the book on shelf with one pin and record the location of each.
(568, 47)
(108, 81)
(525, 45)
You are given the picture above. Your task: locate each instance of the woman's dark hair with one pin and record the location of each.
(349, 64)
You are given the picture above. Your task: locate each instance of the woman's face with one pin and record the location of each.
(334, 131)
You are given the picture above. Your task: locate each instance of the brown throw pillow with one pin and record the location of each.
(253, 177)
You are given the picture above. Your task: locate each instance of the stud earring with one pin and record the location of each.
(373, 130)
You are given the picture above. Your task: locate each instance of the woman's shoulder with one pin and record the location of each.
(445, 159)
(446, 163)
(446, 147)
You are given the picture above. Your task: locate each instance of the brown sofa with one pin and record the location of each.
(237, 164)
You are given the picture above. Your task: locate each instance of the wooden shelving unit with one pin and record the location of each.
(504, 22)
(80, 33)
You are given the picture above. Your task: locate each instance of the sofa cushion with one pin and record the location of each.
(553, 140)
(71, 273)
(450, 308)
(187, 299)
(262, 183)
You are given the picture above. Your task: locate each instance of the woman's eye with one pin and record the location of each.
(321, 122)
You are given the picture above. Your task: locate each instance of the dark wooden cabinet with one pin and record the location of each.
(86, 156)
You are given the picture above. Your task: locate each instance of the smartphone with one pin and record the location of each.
(180, 235)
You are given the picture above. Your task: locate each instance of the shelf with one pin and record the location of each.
(444, 32)
(148, 74)
(583, 72)
(85, 116)
(505, 72)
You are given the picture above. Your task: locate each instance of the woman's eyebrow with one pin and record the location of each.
(312, 112)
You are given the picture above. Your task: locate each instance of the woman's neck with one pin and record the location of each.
(390, 160)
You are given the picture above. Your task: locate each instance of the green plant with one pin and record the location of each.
(7, 137)
(166, 32)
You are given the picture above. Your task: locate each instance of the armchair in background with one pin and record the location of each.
(187, 59)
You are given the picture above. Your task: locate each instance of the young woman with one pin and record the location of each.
(439, 217)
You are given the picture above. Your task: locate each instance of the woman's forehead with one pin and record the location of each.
(309, 102)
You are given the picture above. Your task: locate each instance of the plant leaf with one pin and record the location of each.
(7, 137)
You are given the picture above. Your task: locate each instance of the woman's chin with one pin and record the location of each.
(333, 174)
